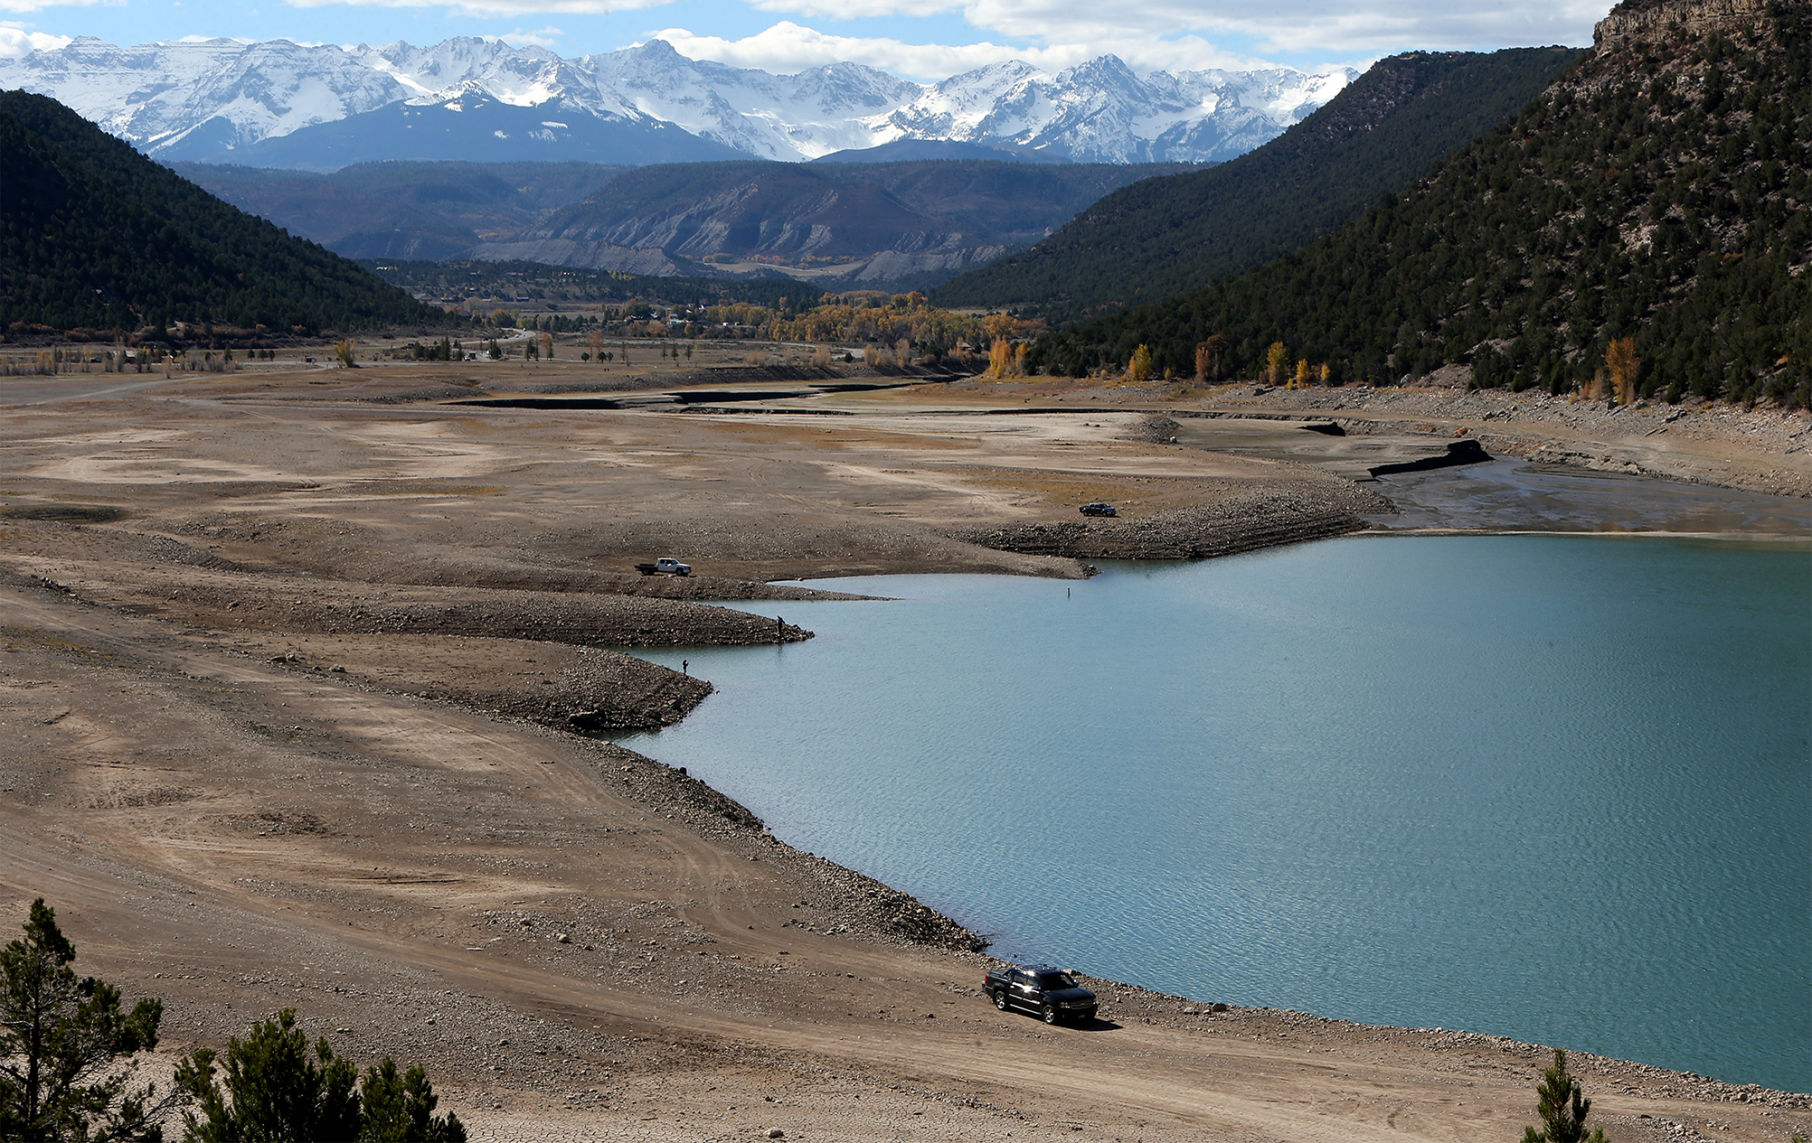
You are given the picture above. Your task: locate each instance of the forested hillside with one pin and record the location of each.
(1163, 236)
(97, 237)
(1643, 228)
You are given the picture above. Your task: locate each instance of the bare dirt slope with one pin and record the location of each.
(1756, 449)
(581, 943)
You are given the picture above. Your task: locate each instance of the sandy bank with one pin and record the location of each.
(580, 942)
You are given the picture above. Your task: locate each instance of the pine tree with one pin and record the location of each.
(398, 1107)
(62, 1040)
(275, 1087)
(1562, 1107)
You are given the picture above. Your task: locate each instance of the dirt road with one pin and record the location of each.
(287, 685)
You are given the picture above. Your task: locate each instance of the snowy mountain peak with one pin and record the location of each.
(1102, 70)
(219, 99)
(657, 50)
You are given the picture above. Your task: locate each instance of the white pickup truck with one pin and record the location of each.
(666, 565)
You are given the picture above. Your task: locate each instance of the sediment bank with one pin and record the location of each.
(579, 942)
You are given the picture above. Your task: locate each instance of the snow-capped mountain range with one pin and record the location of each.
(231, 101)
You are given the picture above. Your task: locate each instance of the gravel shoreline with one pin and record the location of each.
(1759, 450)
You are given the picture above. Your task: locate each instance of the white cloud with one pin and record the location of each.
(39, 5)
(1183, 53)
(16, 41)
(1172, 35)
(787, 47)
(858, 9)
(489, 9)
(1345, 30)
(541, 37)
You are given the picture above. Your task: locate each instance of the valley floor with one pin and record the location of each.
(289, 664)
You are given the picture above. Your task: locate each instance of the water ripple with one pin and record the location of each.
(1547, 787)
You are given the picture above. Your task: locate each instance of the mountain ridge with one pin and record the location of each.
(221, 100)
(860, 223)
(1163, 236)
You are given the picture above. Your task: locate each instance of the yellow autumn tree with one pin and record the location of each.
(1277, 360)
(1301, 378)
(1621, 360)
(1000, 358)
(1001, 326)
(1139, 368)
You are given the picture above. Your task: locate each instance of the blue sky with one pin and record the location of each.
(921, 39)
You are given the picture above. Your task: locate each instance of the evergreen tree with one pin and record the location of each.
(398, 1107)
(274, 1088)
(83, 207)
(62, 1040)
(1562, 1107)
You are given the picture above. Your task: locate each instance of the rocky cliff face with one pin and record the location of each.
(1641, 40)
(1649, 20)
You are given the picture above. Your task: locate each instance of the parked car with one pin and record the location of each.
(666, 565)
(1048, 993)
(1099, 509)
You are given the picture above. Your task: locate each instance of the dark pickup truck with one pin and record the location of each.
(1047, 992)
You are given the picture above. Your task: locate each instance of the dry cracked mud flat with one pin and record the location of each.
(289, 670)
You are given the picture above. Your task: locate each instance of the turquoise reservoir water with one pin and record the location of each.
(1551, 787)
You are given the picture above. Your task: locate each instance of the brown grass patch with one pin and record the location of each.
(65, 513)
